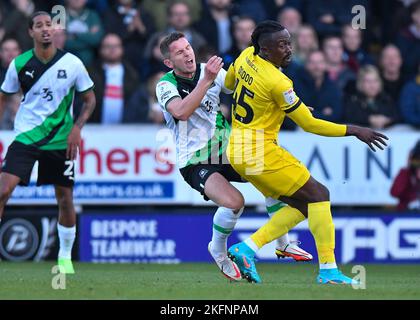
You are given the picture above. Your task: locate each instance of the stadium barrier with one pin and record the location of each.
(174, 238)
(30, 235)
(135, 165)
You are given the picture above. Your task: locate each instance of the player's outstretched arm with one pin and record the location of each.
(368, 136)
(303, 118)
(74, 139)
(182, 109)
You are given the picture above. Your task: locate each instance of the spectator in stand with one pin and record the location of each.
(216, 24)
(4, 8)
(152, 57)
(9, 49)
(406, 186)
(242, 31)
(291, 19)
(159, 8)
(410, 101)
(370, 105)
(179, 19)
(133, 25)
(60, 38)
(337, 70)
(314, 87)
(306, 42)
(115, 81)
(408, 41)
(252, 8)
(354, 55)
(390, 63)
(84, 30)
(274, 7)
(143, 106)
(328, 16)
(15, 23)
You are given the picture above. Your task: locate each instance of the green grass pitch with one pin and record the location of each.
(200, 281)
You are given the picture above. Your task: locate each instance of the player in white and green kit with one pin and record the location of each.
(189, 97)
(44, 127)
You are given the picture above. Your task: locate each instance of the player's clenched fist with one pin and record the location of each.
(213, 67)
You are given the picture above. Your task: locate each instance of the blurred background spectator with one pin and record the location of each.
(328, 16)
(390, 63)
(143, 106)
(354, 55)
(152, 56)
(9, 49)
(179, 19)
(252, 8)
(115, 81)
(370, 105)
(337, 71)
(216, 24)
(84, 30)
(408, 41)
(159, 10)
(291, 19)
(15, 19)
(313, 86)
(133, 24)
(274, 7)
(60, 38)
(242, 31)
(305, 42)
(406, 185)
(391, 42)
(410, 101)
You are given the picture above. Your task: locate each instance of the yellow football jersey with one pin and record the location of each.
(262, 95)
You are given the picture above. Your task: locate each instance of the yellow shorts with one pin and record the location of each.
(272, 170)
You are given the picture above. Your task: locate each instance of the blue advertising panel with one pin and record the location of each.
(175, 238)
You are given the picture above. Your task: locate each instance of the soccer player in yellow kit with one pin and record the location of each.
(263, 96)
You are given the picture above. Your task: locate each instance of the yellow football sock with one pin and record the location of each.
(322, 228)
(279, 224)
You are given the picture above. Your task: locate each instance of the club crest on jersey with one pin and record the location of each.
(61, 74)
(203, 173)
(289, 96)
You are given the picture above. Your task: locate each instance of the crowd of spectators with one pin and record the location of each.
(362, 76)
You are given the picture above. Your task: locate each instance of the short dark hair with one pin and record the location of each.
(36, 14)
(264, 28)
(167, 41)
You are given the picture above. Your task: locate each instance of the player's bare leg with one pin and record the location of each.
(231, 203)
(66, 227)
(8, 183)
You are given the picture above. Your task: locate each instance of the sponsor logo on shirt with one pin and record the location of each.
(203, 173)
(289, 96)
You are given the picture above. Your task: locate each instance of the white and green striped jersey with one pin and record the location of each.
(206, 132)
(45, 115)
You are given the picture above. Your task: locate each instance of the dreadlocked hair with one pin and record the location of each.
(264, 27)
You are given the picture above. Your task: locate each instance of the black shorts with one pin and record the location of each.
(196, 175)
(53, 166)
